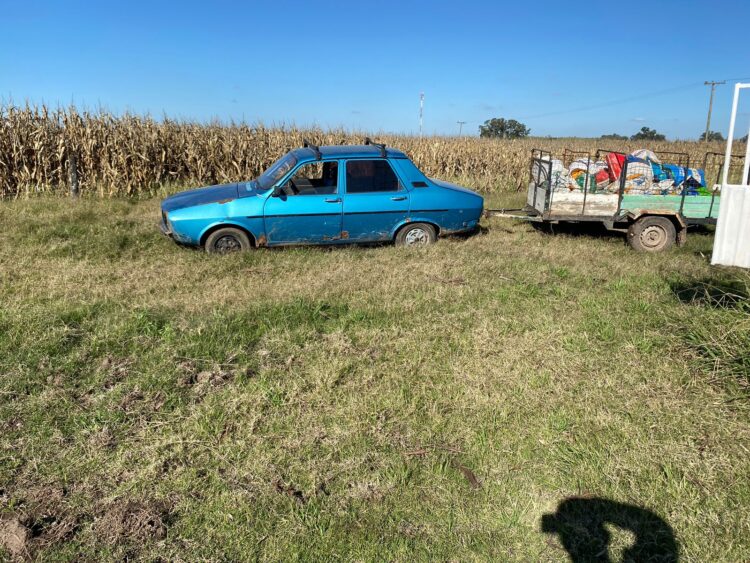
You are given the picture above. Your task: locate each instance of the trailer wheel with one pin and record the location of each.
(541, 226)
(652, 234)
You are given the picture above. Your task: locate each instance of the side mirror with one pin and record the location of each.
(277, 191)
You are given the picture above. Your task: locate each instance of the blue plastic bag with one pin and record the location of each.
(674, 172)
(696, 177)
(659, 173)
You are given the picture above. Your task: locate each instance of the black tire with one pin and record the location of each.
(652, 234)
(416, 234)
(541, 226)
(228, 240)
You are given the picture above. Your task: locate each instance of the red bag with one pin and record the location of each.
(614, 163)
(602, 178)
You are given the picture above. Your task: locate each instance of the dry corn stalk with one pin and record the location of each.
(133, 155)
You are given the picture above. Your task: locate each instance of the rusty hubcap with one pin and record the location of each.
(227, 243)
(653, 237)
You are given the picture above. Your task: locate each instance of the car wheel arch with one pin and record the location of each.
(218, 226)
(411, 221)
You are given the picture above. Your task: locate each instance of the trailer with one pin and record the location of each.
(652, 199)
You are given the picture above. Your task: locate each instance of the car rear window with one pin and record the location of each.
(364, 176)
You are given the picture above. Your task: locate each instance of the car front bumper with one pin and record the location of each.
(165, 230)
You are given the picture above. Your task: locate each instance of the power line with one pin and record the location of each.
(616, 102)
(626, 100)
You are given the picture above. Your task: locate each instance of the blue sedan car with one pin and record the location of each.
(324, 195)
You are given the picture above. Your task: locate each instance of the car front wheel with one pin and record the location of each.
(416, 234)
(227, 240)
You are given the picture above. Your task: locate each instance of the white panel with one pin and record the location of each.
(732, 240)
(571, 203)
(541, 193)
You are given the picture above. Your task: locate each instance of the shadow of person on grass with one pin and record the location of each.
(580, 524)
(583, 230)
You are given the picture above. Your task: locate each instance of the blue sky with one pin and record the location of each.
(362, 65)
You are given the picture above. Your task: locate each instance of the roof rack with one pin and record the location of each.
(381, 146)
(315, 148)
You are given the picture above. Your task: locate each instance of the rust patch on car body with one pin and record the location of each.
(344, 234)
(262, 240)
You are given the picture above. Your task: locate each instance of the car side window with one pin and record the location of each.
(314, 178)
(365, 176)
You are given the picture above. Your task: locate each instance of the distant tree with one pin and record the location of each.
(499, 127)
(614, 137)
(712, 136)
(743, 139)
(646, 134)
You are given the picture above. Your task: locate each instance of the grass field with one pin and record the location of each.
(361, 404)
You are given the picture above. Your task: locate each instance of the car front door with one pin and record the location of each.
(374, 200)
(309, 209)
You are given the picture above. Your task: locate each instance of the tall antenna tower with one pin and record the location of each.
(421, 111)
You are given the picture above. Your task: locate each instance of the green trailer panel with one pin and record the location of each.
(696, 206)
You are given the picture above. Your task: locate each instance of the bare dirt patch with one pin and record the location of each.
(115, 370)
(201, 378)
(131, 521)
(41, 520)
(14, 536)
(289, 490)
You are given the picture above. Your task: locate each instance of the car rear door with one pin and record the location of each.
(375, 201)
(310, 210)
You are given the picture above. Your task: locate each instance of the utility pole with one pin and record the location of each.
(460, 126)
(710, 104)
(421, 109)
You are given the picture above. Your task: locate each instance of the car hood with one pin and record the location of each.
(200, 196)
(453, 187)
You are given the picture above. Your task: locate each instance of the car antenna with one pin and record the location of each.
(381, 146)
(316, 149)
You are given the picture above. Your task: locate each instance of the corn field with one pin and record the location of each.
(133, 155)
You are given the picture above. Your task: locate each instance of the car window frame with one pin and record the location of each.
(278, 162)
(342, 173)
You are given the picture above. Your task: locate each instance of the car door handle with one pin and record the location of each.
(398, 198)
(333, 200)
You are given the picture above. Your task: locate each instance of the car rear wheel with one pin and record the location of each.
(416, 234)
(652, 234)
(227, 240)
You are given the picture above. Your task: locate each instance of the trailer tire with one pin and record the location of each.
(541, 226)
(652, 233)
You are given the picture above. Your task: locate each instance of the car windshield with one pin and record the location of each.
(276, 171)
